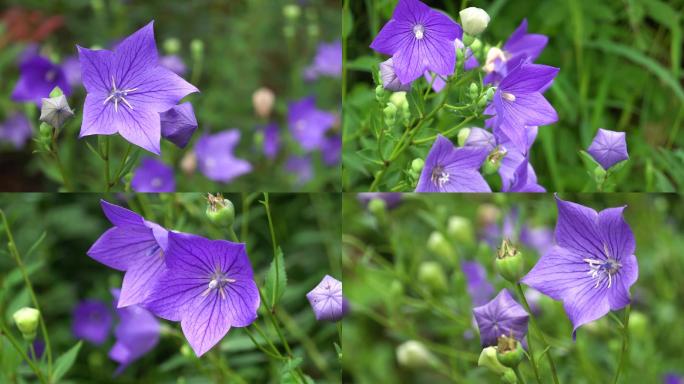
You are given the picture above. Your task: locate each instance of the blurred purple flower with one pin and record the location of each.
(92, 321)
(215, 156)
(520, 46)
(479, 289)
(301, 167)
(451, 169)
(327, 301)
(390, 81)
(153, 176)
(308, 124)
(271, 140)
(673, 378)
(331, 150)
(72, 70)
(136, 334)
(16, 130)
(327, 62)
(392, 199)
(128, 89)
(608, 148)
(501, 316)
(37, 78)
(592, 266)
(178, 124)
(419, 39)
(209, 287)
(134, 245)
(174, 63)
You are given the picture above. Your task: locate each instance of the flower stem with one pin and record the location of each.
(520, 377)
(275, 247)
(533, 321)
(105, 156)
(625, 345)
(55, 155)
(122, 165)
(6, 333)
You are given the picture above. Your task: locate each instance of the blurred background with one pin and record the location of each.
(53, 233)
(620, 69)
(405, 262)
(228, 49)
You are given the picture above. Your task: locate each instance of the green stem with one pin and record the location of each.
(261, 348)
(345, 10)
(625, 345)
(106, 164)
(275, 247)
(55, 154)
(122, 165)
(520, 377)
(445, 133)
(533, 321)
(6, 333)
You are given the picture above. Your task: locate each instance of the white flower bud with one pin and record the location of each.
(263, 100)
(27, 321)
(474, 20)
(413, 354)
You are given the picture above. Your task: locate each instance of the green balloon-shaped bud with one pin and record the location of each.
(220, 211)
(27, 320)
(509, 262)
(509, 352)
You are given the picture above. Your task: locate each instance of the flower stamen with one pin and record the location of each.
(439, 176)
(119, 95)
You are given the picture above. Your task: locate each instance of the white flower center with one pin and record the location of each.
(119, 95)
(419, 31)
(439, 176)
(602, 270)
(156, 182)
(508, 96)
(218, 282)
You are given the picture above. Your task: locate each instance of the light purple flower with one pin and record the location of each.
(92, 321)
(16, 130)
(479, 289)
(327, 62)
(137, 333)
(134, 245)
(215, 156)
(178, 124)
(501, 316)
(209, 287)
(128, 89)
(520, 46)
(327, 301)
(173, 63)
(300, 167)
(153, 176)
(331, 150)
(38, 76)
(271, 140)
(419, 39)
(673, 378)
(72, 70)
(390, 81)
(592, 266)
(608, 148)
(392, 199)
(308, 124)
(451, 169)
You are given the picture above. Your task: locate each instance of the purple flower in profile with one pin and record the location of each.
(327, 301)
(173, 63)
(178, 124)
(479, 289)
(419, 39)
(38, 76)
(134, 245)
(271, 140)
(72, 70)
(209, 287)
(392, 199)
(300, 167)
(308, 124)
(215, 156)
(127, 89)
(153, 176)
(608, 148)
(591, 267)
(327, 62)
(331, 150)
(502, 316)
(92, 321)
(519, 46)
(136, 334)
(16, 130)
(390, 81)
(451, 169)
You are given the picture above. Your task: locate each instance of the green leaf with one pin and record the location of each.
(589, 163)
(276, 279)
(64, 362)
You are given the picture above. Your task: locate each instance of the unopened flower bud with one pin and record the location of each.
(463, 135)
(390, 112)
(189, 163)
(396, 289)
(56, 92)
(509, 262)
(380, 94)
(476, 45)
(313, 30)
(490, 93)
(27, 321)
(377, 207)
(509, 352)
(56, 111)
(292, 11)
(197, 48)
(509, 377)
(432, 275)
(439, 244)
(473, 91)
(494, 54)
(488, 359)
(172, 46)
(460, 56)
(220, 211)
(399, 100)
(413, 354)
(417, 165)
(187, 352)
(599, 175)
(263, 100)
(474, 20)
(460, 229)
(638, 324)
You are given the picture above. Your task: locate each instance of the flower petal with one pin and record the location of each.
(141, 127)
(141, 277)
(615, 233)
(157, 89)
(120, 248)
(208, 321)
(557, 272)
(95, 69)
(528, 78)
(619, 297)
(98, 117)
(577, 230)
(173, 292)
(133, 56)
(585, 303)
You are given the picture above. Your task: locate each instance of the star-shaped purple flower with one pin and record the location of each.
(327, 301)
(209, 287)
(153, 176)
(419, 39)
(134, 245)
(451, 169)
(327, 62)
(519, 46)
(591, 267)
(128, 89)
(479, 289)
(309, 124)
(608, 148)
(501, 316)
(92, 321)
(16, 130)
(38, 76)
(178, 124)
(215, 156)
(136, 334)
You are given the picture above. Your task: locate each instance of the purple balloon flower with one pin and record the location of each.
(592, 266)
(392, 199)
(308, 124)
(216, 159)
(327, 62)
(451, 169)
(38, 76)
(16, 130)
(608, 148)
(390, 81)
(271, 140)
(419, 39)
(519, 46)
(327, 301)
(331, 150)
(209, 287)
(92, 321)
(178, 124)
(173, 63)
(134, 245)
(479, 289)
(136, 334)
(301, 167)
(502, 316)
(128, 89)
(153, 176)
